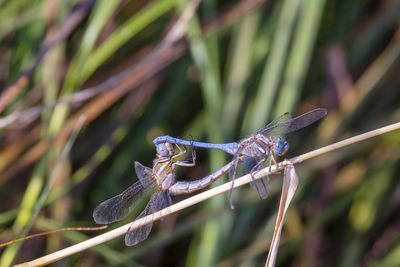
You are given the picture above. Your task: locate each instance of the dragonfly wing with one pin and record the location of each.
(143, 173)
(261, 186)
(119, 206)
(278, 126)
(158, 201)
(286, 124)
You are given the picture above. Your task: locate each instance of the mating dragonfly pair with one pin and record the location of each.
(160, 180)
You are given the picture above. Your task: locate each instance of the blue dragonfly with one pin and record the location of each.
(159, 182)
(264, 144)
(155, 181)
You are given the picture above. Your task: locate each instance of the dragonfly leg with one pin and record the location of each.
(271, 160)
(256, 167)
(188, 162)
(162, 160)
(261, 185)
(232, 175)
(182, 151)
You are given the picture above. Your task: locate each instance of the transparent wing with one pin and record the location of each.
(286, 124)
(144, 174)
(119, 206)
(278, 126)
(261, 186)
(158, 201)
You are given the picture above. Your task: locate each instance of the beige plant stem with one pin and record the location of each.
(346, 142)
(290, 183)
(199, 198)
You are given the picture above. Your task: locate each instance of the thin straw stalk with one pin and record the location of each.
(201, 197)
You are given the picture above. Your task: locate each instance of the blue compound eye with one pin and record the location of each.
(165, 149)
(162, 150)
(281, 146)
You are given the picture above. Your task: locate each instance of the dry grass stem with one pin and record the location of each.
(201, 197)
(290, 183)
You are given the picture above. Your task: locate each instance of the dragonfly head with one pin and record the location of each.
(281, 146)
(164, 149)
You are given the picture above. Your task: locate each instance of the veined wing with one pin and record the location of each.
(261, 185)
(144, 174)
(119, 206)
(158, 201)
(286, 124)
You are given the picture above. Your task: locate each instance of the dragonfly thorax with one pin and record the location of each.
(258, 146)
(163, 174)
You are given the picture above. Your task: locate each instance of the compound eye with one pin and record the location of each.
(162, 150)
(281, 147)
(286, 148)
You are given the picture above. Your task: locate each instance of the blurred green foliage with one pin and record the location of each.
(241, 64)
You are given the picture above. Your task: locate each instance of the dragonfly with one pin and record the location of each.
(161, 182)
(264, 144)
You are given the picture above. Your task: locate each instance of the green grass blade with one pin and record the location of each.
(275, 63)
(300, 56)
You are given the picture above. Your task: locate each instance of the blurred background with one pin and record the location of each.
(113, 74)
